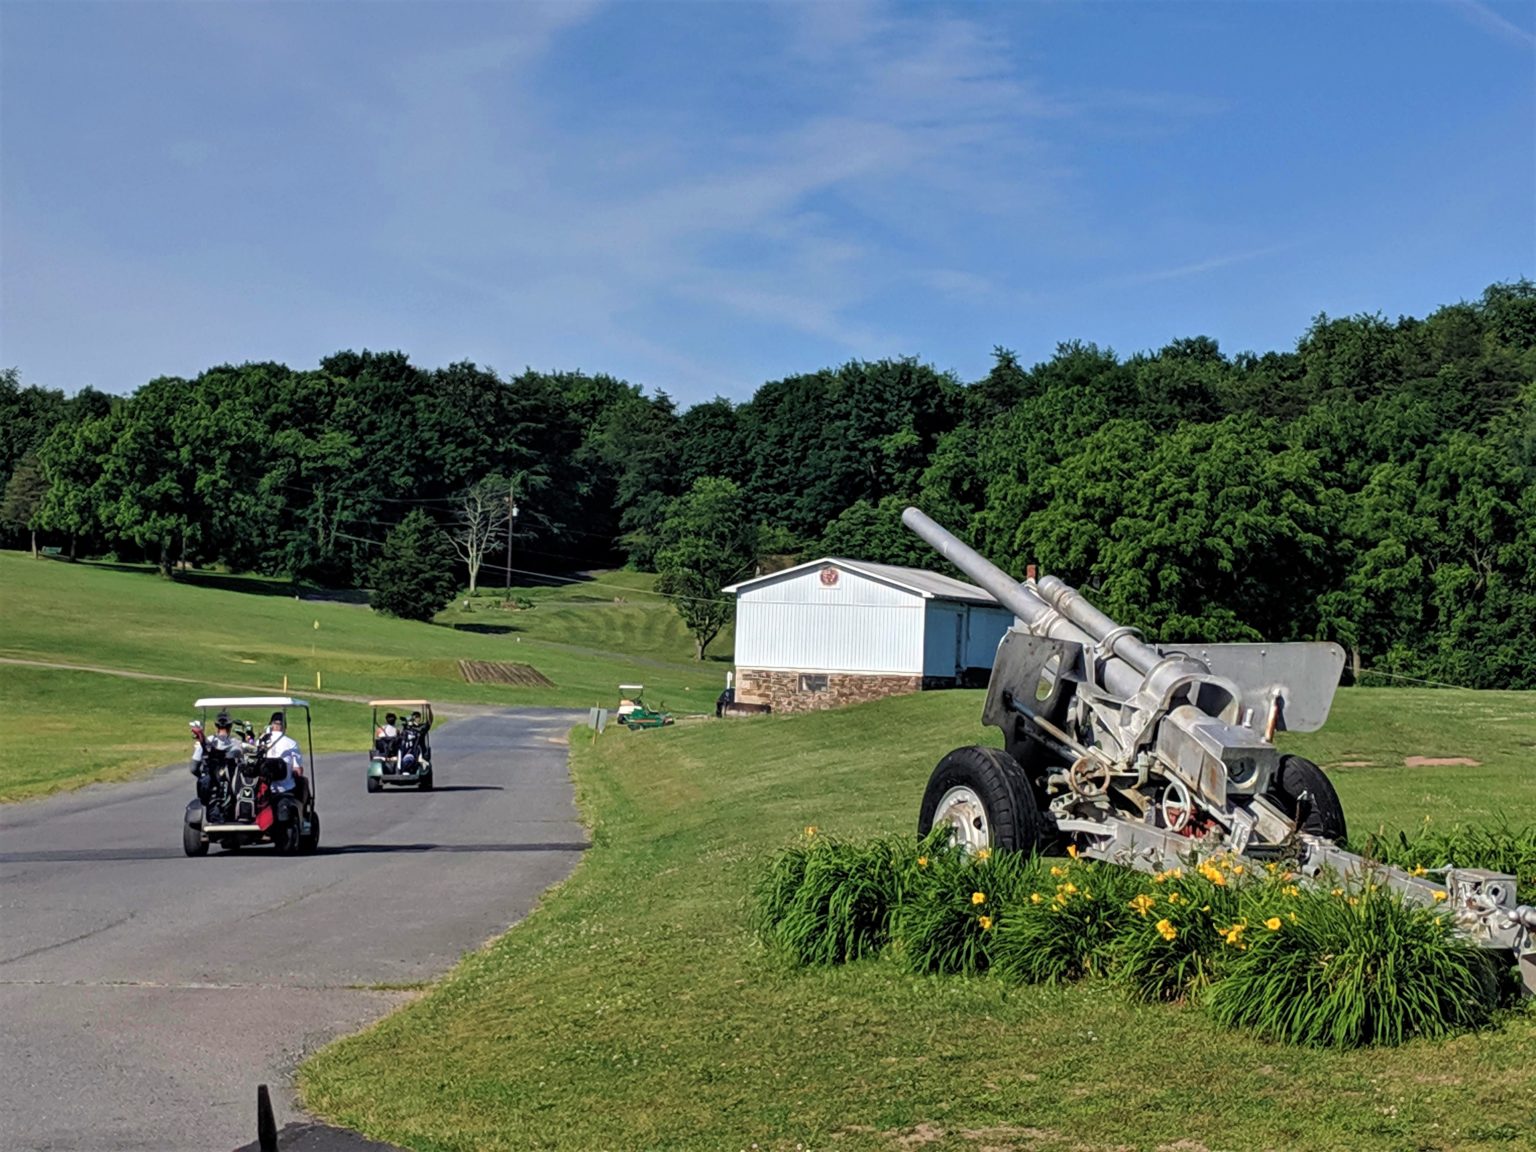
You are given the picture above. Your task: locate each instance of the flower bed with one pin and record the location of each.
(1339, 966)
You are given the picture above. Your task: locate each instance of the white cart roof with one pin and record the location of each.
(251, 702)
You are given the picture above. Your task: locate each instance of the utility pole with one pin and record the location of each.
(511, 526)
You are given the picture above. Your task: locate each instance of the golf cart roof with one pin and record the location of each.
(251, 702)
(398, 704)
(631, 687)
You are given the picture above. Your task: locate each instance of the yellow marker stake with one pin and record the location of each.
(285, 685)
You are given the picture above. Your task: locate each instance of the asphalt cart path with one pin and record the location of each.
(145, 994)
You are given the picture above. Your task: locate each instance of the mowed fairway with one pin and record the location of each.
(211, 634)
(635, 1010)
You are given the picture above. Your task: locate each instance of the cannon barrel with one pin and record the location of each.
(1052, 608)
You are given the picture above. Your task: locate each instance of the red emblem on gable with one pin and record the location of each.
(829, 577)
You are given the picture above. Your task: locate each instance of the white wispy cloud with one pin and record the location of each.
(1200, 267)
(1485, 16)
(893, 134)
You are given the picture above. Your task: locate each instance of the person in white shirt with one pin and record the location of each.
(386, 738)
(278, 745)
(213, 760)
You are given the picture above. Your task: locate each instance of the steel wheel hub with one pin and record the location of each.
(964, 812)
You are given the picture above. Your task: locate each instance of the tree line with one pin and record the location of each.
(1375, 486)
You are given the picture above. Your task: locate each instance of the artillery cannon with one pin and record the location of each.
(1152, 756)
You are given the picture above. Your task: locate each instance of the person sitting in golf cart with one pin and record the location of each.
(214, 760)
(276, 744)
(414, 742)
(386, 737)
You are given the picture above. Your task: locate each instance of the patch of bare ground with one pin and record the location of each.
(501, 672)
(1006, 1138)
(924, 1133)
(1002, 1138)
(1183, 1146)
(1354, 764)
(1440, 762)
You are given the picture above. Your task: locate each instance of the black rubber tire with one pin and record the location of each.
(192, 842)
(310, 842)
(1013, 817)
(285, 837)
(1299, 775)
(375, 784)
(425, 782)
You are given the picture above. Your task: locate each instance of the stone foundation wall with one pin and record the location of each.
(808, 692)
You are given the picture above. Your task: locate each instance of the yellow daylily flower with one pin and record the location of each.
(984, 854)
(810, 830)
(922, 861)
(978, 897)
(1072, 851)
(1058, 871)
(1174, 897)
(1166, 930)
(1142, 905)
(1439, 896)
(1273, 923)
(1034, 897)
(985, 922)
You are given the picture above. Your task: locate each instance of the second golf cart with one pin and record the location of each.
(402, 748)
(251, 788)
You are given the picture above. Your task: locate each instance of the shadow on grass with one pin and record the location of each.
(251, 584)
(485, 629)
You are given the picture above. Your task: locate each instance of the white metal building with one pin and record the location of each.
(833, 631)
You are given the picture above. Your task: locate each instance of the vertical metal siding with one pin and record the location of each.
(943, 637)
(858, 625)
(987, 626)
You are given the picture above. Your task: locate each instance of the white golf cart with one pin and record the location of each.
(402, 748)
(246, 796)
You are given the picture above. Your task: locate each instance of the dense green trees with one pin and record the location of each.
(415, 575)
(707, 539)
(1376, 485)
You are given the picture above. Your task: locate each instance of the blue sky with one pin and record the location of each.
(700, 197)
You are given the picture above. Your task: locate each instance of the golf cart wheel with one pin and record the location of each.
(375, 784)
(986, 798)
(192, 842)
(424, 782)
(286, 837)
(310, 841)
(1297, 777)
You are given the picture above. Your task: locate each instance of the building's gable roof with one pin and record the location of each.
(918, 581)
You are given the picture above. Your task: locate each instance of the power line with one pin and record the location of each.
(1413, 679)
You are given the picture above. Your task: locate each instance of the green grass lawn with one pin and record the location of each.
(612, 612)
(634, 1009)
(231, 635)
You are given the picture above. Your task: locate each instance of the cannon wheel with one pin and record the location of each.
(1297, 775)
(987, 798)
